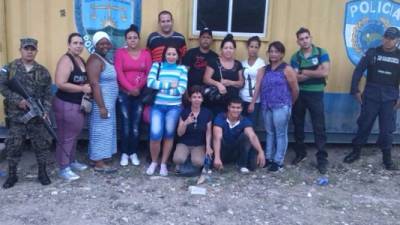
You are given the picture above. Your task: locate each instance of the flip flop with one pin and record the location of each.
(105, 169)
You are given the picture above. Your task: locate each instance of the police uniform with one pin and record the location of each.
(380, 95)
(37, 83)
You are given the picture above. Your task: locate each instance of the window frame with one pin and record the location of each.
(236, 34)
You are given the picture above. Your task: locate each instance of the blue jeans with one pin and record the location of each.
(276, 124)
(163, 121)
(130, 109)
(314, 103)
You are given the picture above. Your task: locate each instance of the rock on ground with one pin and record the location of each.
(358, 194)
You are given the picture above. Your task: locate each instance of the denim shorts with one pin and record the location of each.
(163, 121)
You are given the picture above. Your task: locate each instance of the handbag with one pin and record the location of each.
(86, 103)
(149, 94)
(211, 93)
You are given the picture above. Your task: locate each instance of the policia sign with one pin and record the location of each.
(365, 22)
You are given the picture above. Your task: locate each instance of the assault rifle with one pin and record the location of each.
(36, 108)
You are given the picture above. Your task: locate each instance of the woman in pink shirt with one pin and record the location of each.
(132, 64)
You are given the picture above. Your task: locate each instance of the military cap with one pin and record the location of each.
(28, 42)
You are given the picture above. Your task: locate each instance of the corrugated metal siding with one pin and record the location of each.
(42, 19)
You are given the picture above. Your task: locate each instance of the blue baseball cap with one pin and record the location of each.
(392, 33)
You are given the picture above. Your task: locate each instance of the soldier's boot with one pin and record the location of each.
(387, 160)
(42, 175)
(352, 156)
(12, 177)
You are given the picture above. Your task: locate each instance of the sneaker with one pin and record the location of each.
(244, 170)
(267, 163)
(68, 175)
(299, 158)
(77, 166)
(177, 168)
(391, 166)
(124, 159)
(150, 170)
(163, 170)
(134, 159)
(275, 167)
(352, 157)
(322, 166)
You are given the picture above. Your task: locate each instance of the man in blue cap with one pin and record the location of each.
(380, 96)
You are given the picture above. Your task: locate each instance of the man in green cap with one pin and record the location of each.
(36, 80)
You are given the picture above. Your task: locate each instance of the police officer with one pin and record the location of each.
(36, 80)
(380, 96)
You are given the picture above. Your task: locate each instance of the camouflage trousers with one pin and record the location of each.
(19, 132)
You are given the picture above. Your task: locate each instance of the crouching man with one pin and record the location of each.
(234, 140)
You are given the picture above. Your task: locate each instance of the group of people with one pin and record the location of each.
(206, 104)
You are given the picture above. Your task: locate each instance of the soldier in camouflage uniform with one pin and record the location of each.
(36, 80)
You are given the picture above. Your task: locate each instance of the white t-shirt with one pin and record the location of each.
(250, 75)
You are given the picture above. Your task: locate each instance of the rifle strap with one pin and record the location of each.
(13, 70)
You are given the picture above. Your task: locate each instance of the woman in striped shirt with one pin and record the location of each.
(171, 83)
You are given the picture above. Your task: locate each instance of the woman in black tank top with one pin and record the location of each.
(76, 77)
(71, 81)
(226, 74)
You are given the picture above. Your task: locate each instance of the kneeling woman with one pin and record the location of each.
(170, 79)
(194, 131)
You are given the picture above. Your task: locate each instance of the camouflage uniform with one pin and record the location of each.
(37, 83)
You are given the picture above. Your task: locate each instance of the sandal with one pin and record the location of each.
(105, 169)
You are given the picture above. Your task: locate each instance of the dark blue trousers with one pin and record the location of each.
(370, 110)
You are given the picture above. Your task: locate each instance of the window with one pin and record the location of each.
(240, 17)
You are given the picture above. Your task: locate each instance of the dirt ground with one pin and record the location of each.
(362, 193)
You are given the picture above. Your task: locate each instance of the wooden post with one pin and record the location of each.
(3, 51)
